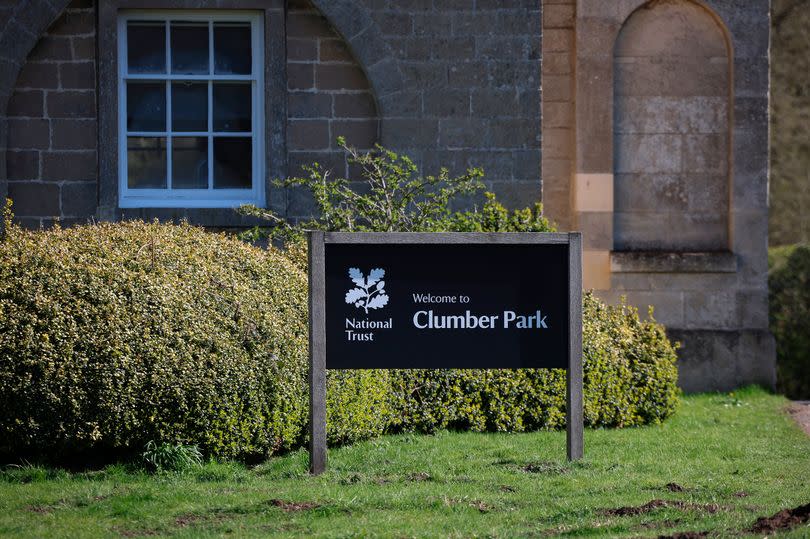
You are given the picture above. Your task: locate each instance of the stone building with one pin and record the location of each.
(644, 124)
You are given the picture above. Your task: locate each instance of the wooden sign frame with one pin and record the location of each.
(317, 320)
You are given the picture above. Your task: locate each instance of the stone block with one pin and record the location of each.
(499, 47)
(22, 165)
(558, 114)
(447, 103)
(71, 104)
(516, 194)
(26, 103)
(34, 199)
(753, 308)
(332, 161)
(308, 134)
(452, 48)
(410, 48)
(666, 77)
(707, 193)
(74, 134)
(556, 63)
(558, 143)
(393, 23)
(651, 192)
(596, 270)
(430, 23)
(38, 75)
(400, 104)
(303, 49)
(751, 78)
(74, 23)
(648, 153)
(757, 358)
(79, 199)
(526, 164)
(84, 48)
(355, 106)
(558, 40)
(308, 25)
(706, 231)
(425, 76)
(51, 48)
(514, 133)
(410, 133)
(309, 105)
(28, 134)
(73, 166)
(597, 230)
(335, 50)
(361, 134)
(77, 75)
(594, 193)
(464, 133)
(710, 309)
(300, 76)
(707, 360)
(668, 306)
(654, 114)
(340, 77)
(557, 88)
(706, 154)
(750, 152)
(558, 16)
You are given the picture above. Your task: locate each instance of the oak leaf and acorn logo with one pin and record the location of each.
(369, 292)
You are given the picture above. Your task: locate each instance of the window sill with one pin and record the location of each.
(672, 262)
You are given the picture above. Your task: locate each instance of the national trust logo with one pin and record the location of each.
(369, 292)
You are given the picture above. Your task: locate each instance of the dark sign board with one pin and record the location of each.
(462, 306)
(440, 301)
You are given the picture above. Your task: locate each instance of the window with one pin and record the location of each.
(190, 109)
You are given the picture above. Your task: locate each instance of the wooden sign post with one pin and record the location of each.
(444, 301)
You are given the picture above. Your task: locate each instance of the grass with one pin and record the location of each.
(737, 457)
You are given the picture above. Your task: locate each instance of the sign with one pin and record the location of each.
(457, 306)
(441, 301)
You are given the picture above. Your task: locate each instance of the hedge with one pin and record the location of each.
(112, 335)
(789, 284)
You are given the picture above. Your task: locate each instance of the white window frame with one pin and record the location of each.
(192, 198)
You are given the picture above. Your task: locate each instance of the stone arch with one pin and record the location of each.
(672, 67)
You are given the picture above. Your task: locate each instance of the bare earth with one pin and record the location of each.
(800, 411)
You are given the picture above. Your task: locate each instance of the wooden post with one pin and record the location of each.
(317, 354)
(574, 413)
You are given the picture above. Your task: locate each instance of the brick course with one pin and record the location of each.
(51, 161)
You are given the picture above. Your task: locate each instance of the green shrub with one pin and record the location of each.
(112, 335)
(789, 283)
(630, 369)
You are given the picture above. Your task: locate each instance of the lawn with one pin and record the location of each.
(720, 463)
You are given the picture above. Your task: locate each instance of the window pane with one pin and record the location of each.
(232, 107)
(232, 48)
(190, 163)
(189, 48)
(146, 106)
(146, 162)
(233, 164)
(189, 106)
(146, 47)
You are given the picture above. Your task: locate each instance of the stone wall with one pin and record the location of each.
(328, 96)
(51, 156)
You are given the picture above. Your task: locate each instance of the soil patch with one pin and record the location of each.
(800, 412)
(685, 535)
(675, 487)
(544, 467)
(420, 476)
(660, 504)
(289, 507)
(784, 519)
(40, 509)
